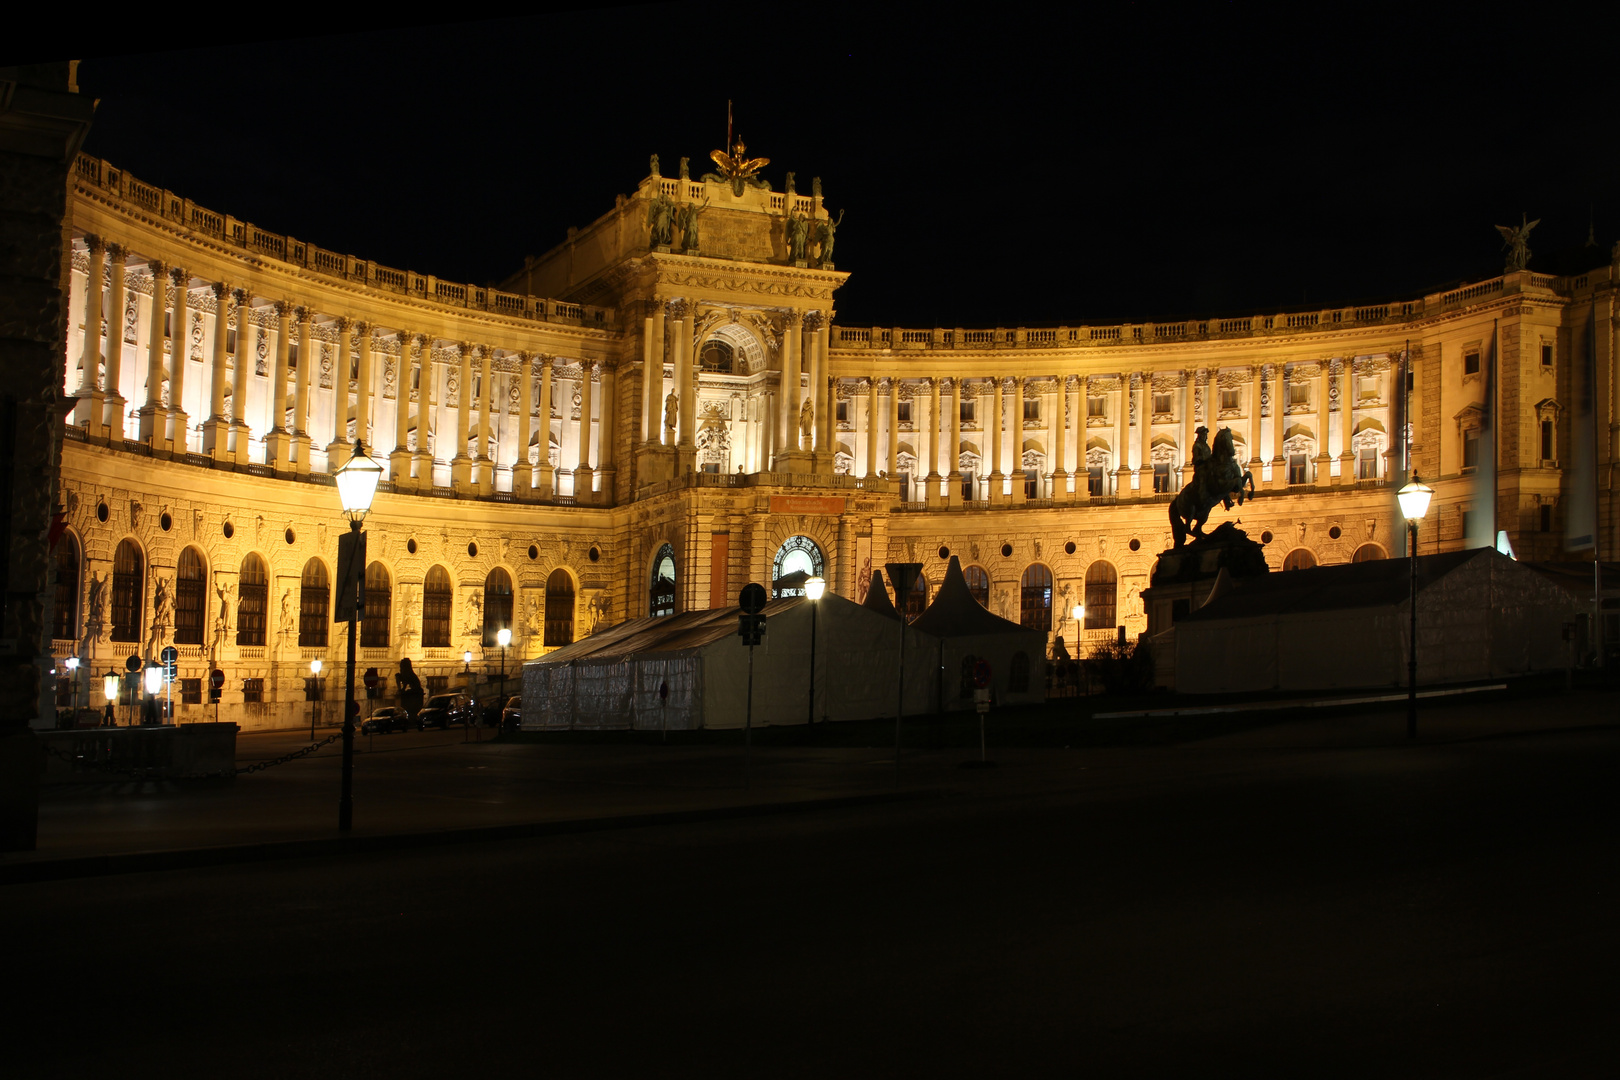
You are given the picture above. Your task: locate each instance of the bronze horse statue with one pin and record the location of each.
(1217, 478)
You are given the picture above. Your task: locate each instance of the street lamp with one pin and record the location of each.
(152, 677)
(109, 689)
(357, 484)
(314, 694)
(503, 638)
(814, 588)
(72, 664)
(1414, 500)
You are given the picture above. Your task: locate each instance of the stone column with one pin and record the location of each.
(894, 430)
(827, 418)
(278, 440)
(1255, 435)
(1347, 420)
(1324, 413)
(241, 437)
(1279, 414)
(658, 355)
(685, 379)
(1018, 494)
(1188, 392)
(114, 417)
(872, 425)
(953, 452)
(426, 420)
(308, 364)
(1144, 484)
(652, 382)
(936, 431)
(816, 394)
(998, 478)
(787, 438)
(484, 461)
(584, 475)
(88, 410)
(1058, 425)
(151, 429)
(179, 356)
(399, 462)
(607, 431)
(216, 426)
(362, 390)
(1122, 450)
(1082, 436)
(546, 468)
(460, 463)
(338, 447)
(522, 471)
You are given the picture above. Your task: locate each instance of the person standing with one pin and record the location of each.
(410, 690)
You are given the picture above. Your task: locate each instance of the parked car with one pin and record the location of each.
(384, 720)
(512, 715)
(444, 710)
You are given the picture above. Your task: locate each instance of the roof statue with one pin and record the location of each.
(1217, 478)
(1516, 242)
(737, 168)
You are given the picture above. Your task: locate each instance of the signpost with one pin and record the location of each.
(216, 689)
(902, 576)
(171, 664)
(751, 628)
(981, 702)
(132, 664)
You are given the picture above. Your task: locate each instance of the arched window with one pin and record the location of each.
(314, 606)
(1035, 604)
(978, 583)
(129, 592)
(559, 608)
(661, 592)
(1299, 559)
(190, 598)
(1368, 553)
(797, 560)
(497, 605)
(378, 615)
(252, 601)
(65, 624)
(917, 600)
(436, 596)
(1102, 588)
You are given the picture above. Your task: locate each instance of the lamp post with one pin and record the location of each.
(109, 690)
(357, 484)
(1079, 613)
(72, 664)
(503, 638)
(814, 588)
(1414, 500)
(152, 677)
(314, 694)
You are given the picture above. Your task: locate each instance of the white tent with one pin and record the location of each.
(612, 679)
(967, 632)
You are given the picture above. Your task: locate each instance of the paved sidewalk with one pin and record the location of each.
(434, 787)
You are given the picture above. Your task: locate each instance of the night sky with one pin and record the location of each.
(1146, 164)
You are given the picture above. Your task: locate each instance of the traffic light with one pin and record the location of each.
(751, 628)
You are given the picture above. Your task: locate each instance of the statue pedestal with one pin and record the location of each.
(461, 474)
(546, 486)
(89, 411)
(584, 483)
(654, 463)
(1185, 577)
(276, 445)
(794, 461)
(216, 437)
(399, 470)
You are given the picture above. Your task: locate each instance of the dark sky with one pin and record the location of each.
(1012, 169)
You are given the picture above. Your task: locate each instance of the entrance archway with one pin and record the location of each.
(798, 559)
(661, 589)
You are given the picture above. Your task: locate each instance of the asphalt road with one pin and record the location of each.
(1244, 907)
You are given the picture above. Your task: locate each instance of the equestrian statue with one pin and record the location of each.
(1217, 478)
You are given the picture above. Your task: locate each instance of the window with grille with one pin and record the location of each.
(436, 596)
(190, 691)
(1035, 599)
(1161, 404)
(314, 606)
(190, 598)
(497, 606)
(978, 583)
(252, 601)
(905, 412)
(377, 617)
(1299, 393)
(1094, 480)
(559, 608)
(1546, 354)
(128, 593)
(967, 485)
(1298, 469)
(661, 589)
(1101, 593)
(968, 411)
(1161, 477)
(65, 619)
(1032, 484)
(252, 691)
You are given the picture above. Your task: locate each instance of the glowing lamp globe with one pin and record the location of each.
(154, 678)
(815, 587)
(1079, 612)
(315, 666)
(72, 663)
(1414, 499)
(503, 637)
(357, 483)
(466, 657)
(109, 685)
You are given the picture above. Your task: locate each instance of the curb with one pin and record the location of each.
(140, 862)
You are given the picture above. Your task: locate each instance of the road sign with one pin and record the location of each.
(371, 678)
(169, 654)
(133, 663)
(752, 598)
(216, 679)
(981, 674)
(751, 628)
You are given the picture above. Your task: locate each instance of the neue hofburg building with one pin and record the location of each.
(655, 413)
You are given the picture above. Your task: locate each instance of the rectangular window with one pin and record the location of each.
(968, 411)
(1411, 381)
(1094, 481)
(252, 691)
(1161, 477)
(1367, 464)
(1471, 363)
(905, 487)
(168, 324)
(1546, 440)
(1367, 389)
(1470, 449)
(1299, 393)
(1161, 404)
(1032, 484)
(1032, 409)
(230, 341)
(1545, 510)
(438, 684)
(1229, 400)
(292, 357)
(1097, 405)
(1546, 354)
(905, 412)
(191, 691)
(1296, 469)
(843, 412)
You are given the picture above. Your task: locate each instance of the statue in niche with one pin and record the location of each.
(688, 220)
(162, 615)
(652, 166)
(223, 590)
(826, 233)
(797, 232)
(685, 175)
(660, 220)
(475, 613)
(288, 620)
(672, 413)
(134, 516)
(807, 422)
(1516, 242)
(98, 600)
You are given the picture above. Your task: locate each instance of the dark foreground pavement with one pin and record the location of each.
(1303, 900)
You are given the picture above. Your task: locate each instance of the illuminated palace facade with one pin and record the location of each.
(657, 412)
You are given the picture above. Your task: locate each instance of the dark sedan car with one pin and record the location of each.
(444, 710)
(512, 715)
(387, 719)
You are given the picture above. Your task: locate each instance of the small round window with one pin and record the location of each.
(1135, 545)
(1006, 551)
(292, 537)
(534, 552)
(1334, 533)
(596, 554)
(944, 552)
(101, 512)
(229, 530)
(472, 549)
(1068, 549)
(165, 522)
(1265, 537)
(410, 545)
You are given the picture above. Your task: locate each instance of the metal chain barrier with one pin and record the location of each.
(259, 766)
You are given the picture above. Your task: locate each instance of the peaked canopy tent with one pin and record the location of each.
(1481, 615)
(967, 632)
(612, 679)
